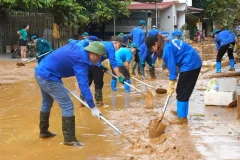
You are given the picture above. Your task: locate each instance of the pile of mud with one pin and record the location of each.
(175, 143)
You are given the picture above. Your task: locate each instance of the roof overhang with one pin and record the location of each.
(191, 19)
(194, 10)
(149, 6)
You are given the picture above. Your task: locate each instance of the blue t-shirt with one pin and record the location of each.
(181, 54)
(123, 55)
(69, 60)
(146, 55)
(153, 32)
(223, 38)
(110, 50)
(138, 36)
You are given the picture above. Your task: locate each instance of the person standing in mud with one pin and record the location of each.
(95, 74)
(69, 60)
(43, 47)
(225, 41)
(178, 53)
(138, 34)
(23, 41)
(124, 57)
(146, 55)
(111, 47)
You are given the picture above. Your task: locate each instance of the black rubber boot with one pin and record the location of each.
(139, 70)
(68, 128)
(98, 97)
(152, 72)
(134, 67)
(44, 125)
(142, 73)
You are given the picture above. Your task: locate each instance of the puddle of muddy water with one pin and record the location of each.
(19, 120)
(215, 137)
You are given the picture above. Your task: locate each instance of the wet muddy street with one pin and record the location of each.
(212, 132)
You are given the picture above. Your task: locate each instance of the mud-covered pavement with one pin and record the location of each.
(212, 132)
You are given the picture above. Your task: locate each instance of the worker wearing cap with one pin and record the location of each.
(97, 70)
(111, 47)
(69, 60)
(43, 47)
(125, 38)
(138, 33)
(176, 34)
(85, 35)
(154, 31)
(95, 74)
(225, 41)
(178, 53)
(124, 57)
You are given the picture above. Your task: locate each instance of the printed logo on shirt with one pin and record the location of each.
(176, 45)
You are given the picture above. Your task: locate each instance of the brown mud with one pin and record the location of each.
(213, 135)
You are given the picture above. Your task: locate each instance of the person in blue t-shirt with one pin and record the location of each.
(43, 47)
(225, 41)
(123, 58)
(96, 70)
(146, 55)
(138, 34)
(178, 53)
(67, 61)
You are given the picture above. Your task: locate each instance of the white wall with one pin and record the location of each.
(181, 6)
(167, 23)
(181, 19)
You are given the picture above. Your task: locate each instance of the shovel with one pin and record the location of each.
(148, 96)
(158, 90)
(156, 127)
(33, 59)
(101, 116)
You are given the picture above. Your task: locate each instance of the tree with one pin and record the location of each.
(222, 12)
(72, 12)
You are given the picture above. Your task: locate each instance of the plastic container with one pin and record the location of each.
(8, 49)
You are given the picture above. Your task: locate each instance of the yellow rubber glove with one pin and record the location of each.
(108, 65)
(171, 85)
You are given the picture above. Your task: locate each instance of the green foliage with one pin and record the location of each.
(73, 12)
(223, 12)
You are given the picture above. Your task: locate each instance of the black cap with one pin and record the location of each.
(151, 40)
(119, 39)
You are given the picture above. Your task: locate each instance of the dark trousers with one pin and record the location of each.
(223, 50)
(186, 84)
(96, 74)
(124, 71)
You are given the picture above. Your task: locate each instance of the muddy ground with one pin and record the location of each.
(212, 132)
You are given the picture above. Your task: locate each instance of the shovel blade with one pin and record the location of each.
(20, 64)
(156, 128)
(148, 99)
(161, 91)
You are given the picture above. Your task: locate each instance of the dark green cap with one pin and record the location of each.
(96, 47)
